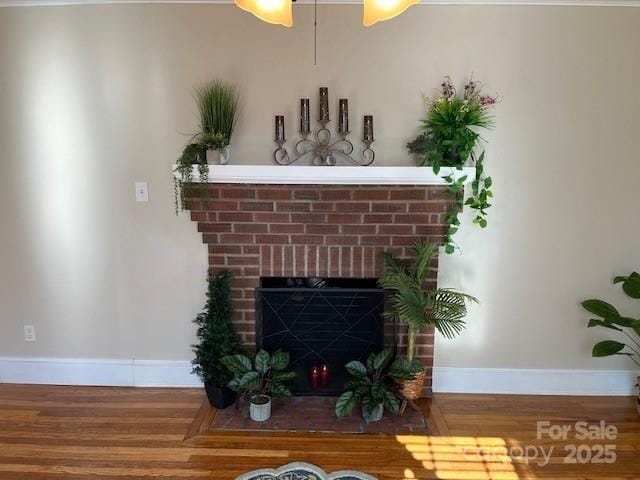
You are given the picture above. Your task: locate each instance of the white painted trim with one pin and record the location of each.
(534, 381)
(548, 3)
(177, 373)
(305, 175)
(96, 371)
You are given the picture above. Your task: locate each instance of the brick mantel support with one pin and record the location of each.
(312, 230)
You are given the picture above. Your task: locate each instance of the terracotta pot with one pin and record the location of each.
(412, 389)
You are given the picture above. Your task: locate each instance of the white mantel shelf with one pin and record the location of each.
(309, 175)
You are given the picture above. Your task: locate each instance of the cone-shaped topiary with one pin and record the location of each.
(216, 333)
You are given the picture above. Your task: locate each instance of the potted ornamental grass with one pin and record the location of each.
(217, 338)
(260, 379)
(372, 385)
(414, 303)
(627, 328)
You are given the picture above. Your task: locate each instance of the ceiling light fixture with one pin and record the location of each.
(279, 11)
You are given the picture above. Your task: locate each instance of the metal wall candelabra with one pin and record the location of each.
(322, 148)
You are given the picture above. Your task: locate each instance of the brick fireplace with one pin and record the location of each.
(339, 231)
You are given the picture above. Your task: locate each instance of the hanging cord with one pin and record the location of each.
(315, 32)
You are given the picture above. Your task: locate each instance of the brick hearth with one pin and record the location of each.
(312, 230)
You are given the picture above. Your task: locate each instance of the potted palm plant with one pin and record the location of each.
(217, 338)
(611, 319)
(413, 303)
(259, 380)
(372, 385)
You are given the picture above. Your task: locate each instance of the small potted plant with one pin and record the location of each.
(413, 303)
(372, 385)
(218, 107)
(610, 318)
(217, 338)
(259, 380)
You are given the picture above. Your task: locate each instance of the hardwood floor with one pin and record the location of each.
(81, 433)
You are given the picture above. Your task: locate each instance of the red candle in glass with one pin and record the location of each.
(315, 378)
(324, 372)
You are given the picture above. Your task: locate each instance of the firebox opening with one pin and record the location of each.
(323, 323)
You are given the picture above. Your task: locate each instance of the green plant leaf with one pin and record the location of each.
(602, 323)
(278, 390)
(283, 376)
(356, 368)
(263, 361)
(279, 360)
(370, 409)
(391, 402)
(600, 308)
(236, 364)
(631, 285)
(382, 359)
(249, 380)
(607, 348)
(345, 404)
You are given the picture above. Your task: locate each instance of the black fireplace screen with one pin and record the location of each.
(323, 324)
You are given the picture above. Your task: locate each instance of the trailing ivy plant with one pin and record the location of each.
(450, 138)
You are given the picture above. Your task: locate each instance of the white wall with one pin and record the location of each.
(94, 98)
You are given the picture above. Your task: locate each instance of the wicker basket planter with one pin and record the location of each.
(412, 389)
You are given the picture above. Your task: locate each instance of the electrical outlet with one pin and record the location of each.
(142, 192)
(29, 333)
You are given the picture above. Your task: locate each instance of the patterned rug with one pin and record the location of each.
(302, 471)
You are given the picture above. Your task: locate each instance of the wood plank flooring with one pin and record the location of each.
(82, 433)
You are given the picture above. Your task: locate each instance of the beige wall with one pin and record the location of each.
(94, 98)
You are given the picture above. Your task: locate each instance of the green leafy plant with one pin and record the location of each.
(262, 375)
(216, 334)
(416, 305)
(218, 106)
(450, 138)
(610, 318)
(372, 385)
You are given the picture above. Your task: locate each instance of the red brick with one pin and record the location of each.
(388, 207)
(251, 228)
(256, 206)
(408, 194)
(221, 206)
(378, 218)
(218, 260)
(396, 229)
(343, 194)
(265, 260)
(344, 218)
(214, 227)
(271, 217)
(274, 194)
(243, 193)
(308, 217)
(275, 239)
(210, 238)
(286, 228)
(358, 256)
(358, 229)
(235, 217)
(299, 257)
(352, 207)
(341, 240)
(293, 207)
(323, 261)
(312, 253)
(277, 261)
(242, 260)
(402, 241)
(307, 239)
(431, 229)
(334, 261)
(323, 206)
(427, 207)
(345, 263)
(375, 240)
(306, 194)
(225, 249)
(371, 194)
(251, 249)
(237, 238)
(439, 194)
(288, 261)
(321, 228)
(245, 282)
(198, 216)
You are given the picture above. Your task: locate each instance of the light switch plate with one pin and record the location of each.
(142, 192)
(29, 333)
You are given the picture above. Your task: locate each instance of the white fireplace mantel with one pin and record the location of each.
(309, 175)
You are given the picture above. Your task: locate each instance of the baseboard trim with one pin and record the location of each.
(177, 373)
(534, 381)
(98, 372)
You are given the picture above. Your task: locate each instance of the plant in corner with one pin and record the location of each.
(450, 138)
(372, 385)
(217, 338)
(611, 319)
(260, 379)
(218, 107)
(419, 306)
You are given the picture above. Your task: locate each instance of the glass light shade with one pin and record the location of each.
(271, 11)
(378, 10)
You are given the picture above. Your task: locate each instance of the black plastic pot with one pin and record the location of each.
(220, 397)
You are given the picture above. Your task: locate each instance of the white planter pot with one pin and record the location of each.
(219, 157)
(379, 415)
(260, 412)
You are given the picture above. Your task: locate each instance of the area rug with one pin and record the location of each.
(316, 414)
(302, 471)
